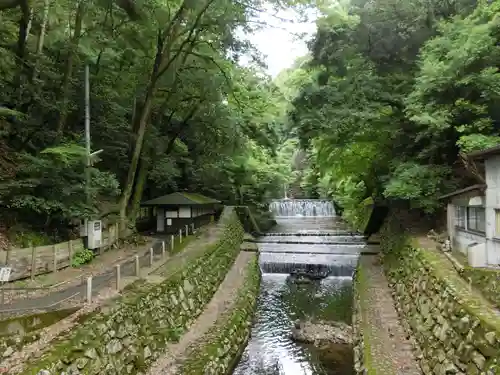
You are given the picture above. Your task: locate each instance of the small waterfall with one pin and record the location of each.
(308, 238)
(313, 239)
(334, 264)
(302, 207)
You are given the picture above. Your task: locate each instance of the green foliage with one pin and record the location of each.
(420, 184)
(82, 257)
(170, 106)
(52, 184)
(24, 239)
(396, 91)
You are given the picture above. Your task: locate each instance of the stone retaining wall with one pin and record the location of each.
(357, 330)
(128, 337)
(455, 329)
(486, 280)
(224, 343)
(456, 333)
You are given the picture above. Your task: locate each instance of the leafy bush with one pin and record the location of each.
(82, 257)
(23, 239)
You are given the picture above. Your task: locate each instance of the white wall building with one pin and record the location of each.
(174, 211)
(473, 214)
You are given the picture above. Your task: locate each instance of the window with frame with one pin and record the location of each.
(460, 216)
(476, 220)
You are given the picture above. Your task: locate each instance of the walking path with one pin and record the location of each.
(75, 290)
(15, 363)
(385, 340)
(221, 302)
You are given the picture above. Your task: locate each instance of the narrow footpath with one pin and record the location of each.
(74, 293)
(386, 343)
(15, 363)
(221, 302)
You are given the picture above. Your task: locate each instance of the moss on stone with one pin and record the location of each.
(223, 344)
(456, 328)
(130, 335)
(371, 357)
(485, 280)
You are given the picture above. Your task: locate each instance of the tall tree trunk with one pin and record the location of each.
(140, 183)
(24, 29)
(129, 184)
(165, 60)
(41, 39)
(68, 68)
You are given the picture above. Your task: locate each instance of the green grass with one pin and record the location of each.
(180, 246)
(475, 303)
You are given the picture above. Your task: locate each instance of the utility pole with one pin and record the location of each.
(87, 134)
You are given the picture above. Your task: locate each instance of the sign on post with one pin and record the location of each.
(5, 274)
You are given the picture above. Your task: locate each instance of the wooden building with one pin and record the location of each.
(174, 211)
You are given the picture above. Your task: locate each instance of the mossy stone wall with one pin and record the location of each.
(225, 342)
(360, 358)
(128, 337)
(486, 280)
(455, 329)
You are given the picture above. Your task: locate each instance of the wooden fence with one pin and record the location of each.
(32, 261)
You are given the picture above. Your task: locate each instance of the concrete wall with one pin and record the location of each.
(470, 243)
(462, 239)
(131, 334)
(492, 167)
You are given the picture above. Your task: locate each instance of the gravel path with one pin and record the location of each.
(390, 349)
(221, 302)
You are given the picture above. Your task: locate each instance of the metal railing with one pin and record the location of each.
(83, 290)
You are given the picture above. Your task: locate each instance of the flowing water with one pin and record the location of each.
(316, 240)
(302, 207)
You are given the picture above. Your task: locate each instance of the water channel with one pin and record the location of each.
(308, 233)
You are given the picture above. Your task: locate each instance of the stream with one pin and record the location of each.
(307, 235)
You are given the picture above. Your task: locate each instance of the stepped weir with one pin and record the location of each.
(308, 236)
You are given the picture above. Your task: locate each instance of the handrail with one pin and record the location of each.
(35, 287)
(3, 311)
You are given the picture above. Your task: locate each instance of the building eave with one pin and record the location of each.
(484, 154)
(478, 187)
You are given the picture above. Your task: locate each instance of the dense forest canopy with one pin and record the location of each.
(402, 90)
(391, 97)
(170, 106)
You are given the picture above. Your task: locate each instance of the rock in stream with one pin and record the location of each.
(322, 333)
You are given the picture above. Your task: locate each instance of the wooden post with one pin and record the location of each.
(89, 289)
(172, 242)
(54, 254)
(187, 230)
(180, 235)
(8, 255)
(192, 227)
(137, 266)
(163, 249)
(33, 261)
(118, 276)
(70, 251)
(151, 256)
